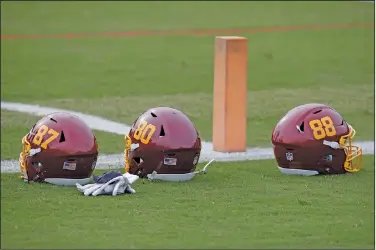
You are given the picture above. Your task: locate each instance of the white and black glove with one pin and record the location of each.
(109, 183)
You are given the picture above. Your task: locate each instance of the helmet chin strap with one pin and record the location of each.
(177, 177)
(332, 144)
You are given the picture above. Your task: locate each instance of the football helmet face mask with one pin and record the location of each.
(59, 149)
(164, 140)
(314, 139)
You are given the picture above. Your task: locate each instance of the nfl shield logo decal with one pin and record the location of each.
(289, 156)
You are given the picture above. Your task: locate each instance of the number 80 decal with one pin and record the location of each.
(144, 132)
(322, 128)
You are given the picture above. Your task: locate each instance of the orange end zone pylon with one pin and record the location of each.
(230, 94)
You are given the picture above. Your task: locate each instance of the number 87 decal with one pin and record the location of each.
(39, 136)
(322, 128)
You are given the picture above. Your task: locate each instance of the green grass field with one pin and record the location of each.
(236, 205)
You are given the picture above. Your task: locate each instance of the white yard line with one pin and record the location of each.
(116, 160)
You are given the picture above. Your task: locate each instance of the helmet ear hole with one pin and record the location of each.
(138, 160)
(36, 164)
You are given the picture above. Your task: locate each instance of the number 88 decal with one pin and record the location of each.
(144, 132)
(322, 128)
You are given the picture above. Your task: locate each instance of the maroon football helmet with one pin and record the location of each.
(164, 140)
(314, 139)
(59, 149)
